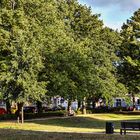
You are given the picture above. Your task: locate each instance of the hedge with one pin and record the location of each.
(34, 115)
(46, 114)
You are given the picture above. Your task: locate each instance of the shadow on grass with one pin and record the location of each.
(8, 134)
(79, 122)
(82, 122)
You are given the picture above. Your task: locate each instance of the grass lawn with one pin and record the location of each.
(33, 135)
(82, 123)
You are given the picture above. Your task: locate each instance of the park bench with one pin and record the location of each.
(130, 126)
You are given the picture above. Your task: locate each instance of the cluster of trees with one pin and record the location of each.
(59, 47)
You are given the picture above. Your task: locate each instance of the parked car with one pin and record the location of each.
(55, 108)
(45, 109)
(2, 111)
(58, 108)
(130, 108)
(30, 109)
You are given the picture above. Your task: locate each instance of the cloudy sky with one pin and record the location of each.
(113, 12)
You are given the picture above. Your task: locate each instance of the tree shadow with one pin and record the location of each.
(80, 122)
(77, 122)
(13, 134)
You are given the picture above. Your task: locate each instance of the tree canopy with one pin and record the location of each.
(20, 52)
(83, 66)
(129, 66)
(58, 48)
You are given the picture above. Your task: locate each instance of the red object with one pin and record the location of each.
(2, 111)
(130, 108)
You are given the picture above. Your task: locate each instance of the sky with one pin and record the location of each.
(113, 12)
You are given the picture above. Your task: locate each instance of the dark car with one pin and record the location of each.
(30, 109)
(58, 108)
(45, 109)
(55, 108)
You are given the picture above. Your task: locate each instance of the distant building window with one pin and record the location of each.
(118, 102)
(62, 100)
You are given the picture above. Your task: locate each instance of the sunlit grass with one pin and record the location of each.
(116, 117)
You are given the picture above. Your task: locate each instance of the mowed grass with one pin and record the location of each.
(36, 135)
(82, 127)
(81, 123)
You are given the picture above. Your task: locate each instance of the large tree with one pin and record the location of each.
(129, 66)
(21, 52)
(102, 43)
(81, 62)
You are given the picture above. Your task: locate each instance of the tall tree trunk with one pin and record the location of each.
(133, 100)
(79, 105)
(69, 107)
(93, 104)
(8, 106)
(84, 106)
(39, 107)
(20, 113)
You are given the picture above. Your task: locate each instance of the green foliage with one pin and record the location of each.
(8, 117)
(79, 54)
(20, 48)
(61, 43)
(45, 115)
(129, 67)
(34, 115)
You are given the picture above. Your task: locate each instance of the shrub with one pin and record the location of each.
(78, 112)
(34, 115)
(8, 117)
(119, 108)
(101, 109)
(89, 111)
(46, 114)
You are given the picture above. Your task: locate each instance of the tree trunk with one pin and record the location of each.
(133, 100)
(79, 105)
(8, 106)
(20, 113)
(39, 107)
(93, 104)
(69, 107)
(84, 106)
